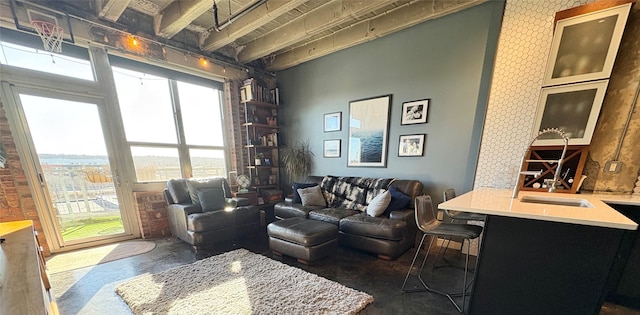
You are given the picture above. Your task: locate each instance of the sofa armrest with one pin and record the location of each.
(407, 215)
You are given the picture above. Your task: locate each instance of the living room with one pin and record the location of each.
(481, 69)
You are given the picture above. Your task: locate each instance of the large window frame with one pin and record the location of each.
(183, 148)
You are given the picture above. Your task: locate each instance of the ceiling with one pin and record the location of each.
(271, 34)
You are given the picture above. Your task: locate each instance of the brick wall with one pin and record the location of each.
(16, 201)
(151, 210)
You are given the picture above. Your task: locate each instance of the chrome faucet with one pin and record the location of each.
(555, 181)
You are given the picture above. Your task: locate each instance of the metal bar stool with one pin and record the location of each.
(429, 225)
(457, 217)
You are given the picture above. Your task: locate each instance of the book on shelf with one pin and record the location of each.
(253, 90)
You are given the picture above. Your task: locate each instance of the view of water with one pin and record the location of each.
(370, 145)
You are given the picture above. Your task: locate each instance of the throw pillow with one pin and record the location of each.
(211, 199)
(399, 200)
(179, 191)
(312, 196)
(195, 185)
(296, 186)
(379, 204)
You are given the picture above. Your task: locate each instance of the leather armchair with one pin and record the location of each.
(213, 216)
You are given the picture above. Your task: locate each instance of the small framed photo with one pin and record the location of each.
(333, 122)
(574, 108)
(331, 148)
(411, 145)
(415, 112)
(584, 47)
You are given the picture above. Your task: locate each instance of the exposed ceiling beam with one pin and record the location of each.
(395, 20)
(111, 9)
(178, 15)
(320, 19)
(251, 21)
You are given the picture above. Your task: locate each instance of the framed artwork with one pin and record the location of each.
(415, 112)
(411, 145)
(333, 122)
(584, 47)
(331, 148)
(368, 132)
(573, 108)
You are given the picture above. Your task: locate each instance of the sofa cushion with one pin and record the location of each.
(296, 186)
(213, 220)
(346, 192)
(375, 227)
(178, 190)
(379, 204)
(287, 209)
(211, 199)
(399, 201)
(331, 215)
(311, 196)
(376, 187)
(206, 184)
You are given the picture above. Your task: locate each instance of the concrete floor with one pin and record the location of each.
(91, 290)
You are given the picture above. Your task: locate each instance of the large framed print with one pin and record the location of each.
(368, 132)
(573, 108)
(584, 47)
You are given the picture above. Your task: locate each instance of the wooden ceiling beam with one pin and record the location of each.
(251, 21)
(178, 15)
(318, 20)
(111, 10)
(392, 21)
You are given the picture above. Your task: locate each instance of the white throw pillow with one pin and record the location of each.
(380, 203)
(312, 196)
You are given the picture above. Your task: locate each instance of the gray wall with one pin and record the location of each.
(448, 60)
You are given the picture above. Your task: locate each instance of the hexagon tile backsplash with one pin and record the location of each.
(523, 49)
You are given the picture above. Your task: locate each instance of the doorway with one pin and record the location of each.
(74, 180)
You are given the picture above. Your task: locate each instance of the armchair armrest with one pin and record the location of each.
(185, 208)
(237, 202)
(177, 215)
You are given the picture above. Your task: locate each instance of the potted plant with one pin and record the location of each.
(297, 160)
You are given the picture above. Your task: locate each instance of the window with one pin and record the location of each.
(40, 60)
(173, 128)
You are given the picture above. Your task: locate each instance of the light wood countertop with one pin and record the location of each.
(493, 201)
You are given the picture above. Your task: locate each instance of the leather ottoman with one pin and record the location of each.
(304, 239)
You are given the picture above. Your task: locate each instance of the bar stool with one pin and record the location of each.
(429, 225)
(458, 216)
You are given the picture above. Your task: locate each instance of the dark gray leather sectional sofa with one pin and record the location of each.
(388, 236)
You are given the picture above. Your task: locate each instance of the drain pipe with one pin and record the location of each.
(218, 27)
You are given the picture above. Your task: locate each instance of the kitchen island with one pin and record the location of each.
(543, 253)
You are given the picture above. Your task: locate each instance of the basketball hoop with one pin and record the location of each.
(51, 35)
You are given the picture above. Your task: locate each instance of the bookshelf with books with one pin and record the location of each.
(261, 141)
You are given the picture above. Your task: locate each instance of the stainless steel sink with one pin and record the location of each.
(557, 201)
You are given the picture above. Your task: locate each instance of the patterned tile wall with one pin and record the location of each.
(521, 58)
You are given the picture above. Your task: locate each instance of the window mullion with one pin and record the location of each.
(183, 150)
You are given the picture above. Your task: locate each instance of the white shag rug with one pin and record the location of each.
(239, 282)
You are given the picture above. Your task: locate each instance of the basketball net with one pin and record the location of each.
(51, 35)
